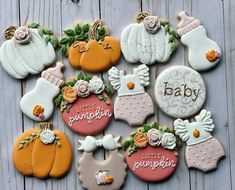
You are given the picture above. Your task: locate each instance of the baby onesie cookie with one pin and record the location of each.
(203, 53)
(106, 174)
(132, 104)
(85, 104)
(89, 47)
(180, 91)
(203, 151)
(148, 41)
(28, 50)
(38, 103)
(42, 153)
(151, 152)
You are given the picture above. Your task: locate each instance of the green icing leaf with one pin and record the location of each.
(80, 37)
(58, 100)
(85, 28)
(171, 38)
(131, 143)
(69, 32)
(81, 76)
(46, 38)
(63, 41)
(108, 91)
(173, 32)
(101, 97)
(78, 29)
(164, 22)
(47, 31)
(101, 31)
(132, 150)
(107, 102)
(40, 32)
(88, 78)
(125, 144)
(70, 83)
(86, 36)
(54, 41)
(63, 50)
(71, 40)
(33, 25)
(167, 28)
(174, 46)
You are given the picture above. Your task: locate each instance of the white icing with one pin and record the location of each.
(198, 44)
(90, 143)
(114, 78)
(20, 60)
(96, 85)
(100, 177)
(47, 136)
(139, 45)
(43, 94)
(168, 141)
(204, 124)
(180, 91)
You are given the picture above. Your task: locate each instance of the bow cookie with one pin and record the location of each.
(90, 143)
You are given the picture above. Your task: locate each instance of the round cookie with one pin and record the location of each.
(28, 50)
(180, 91)
(151, 153)
(42, 153)
(148, 41)
(90, 47)
(85, 104)
(106, 174)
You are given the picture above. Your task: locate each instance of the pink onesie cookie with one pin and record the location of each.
(132, 104)
(203, 151)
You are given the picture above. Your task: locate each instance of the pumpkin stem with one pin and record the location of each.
(97, 31)
(140, 17)
(45, 125)
(9, 32)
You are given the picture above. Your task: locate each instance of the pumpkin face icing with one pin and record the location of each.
(90, 47)
(132, 104)
(85, 104)
(148, 41)
(203, 151)
(151, 152)
(42, 153)
(28, 50)
(38, 104)
(106, 174)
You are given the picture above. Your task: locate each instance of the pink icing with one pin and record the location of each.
(88, 116)
(152, 164)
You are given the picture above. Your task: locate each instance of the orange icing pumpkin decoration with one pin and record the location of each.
(212, 55)
(90, 48)
(196, 133)
(42, 153)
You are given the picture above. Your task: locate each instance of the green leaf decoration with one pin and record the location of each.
(63, 50)
(86, 36)
(71, 40)
(131, 142)
(174, 46)
(164, 22)
(33, 25)
(88, 78)
(108, 91)
(154, 125)
(166, 28)
(70, 83)
(85, 28)
(173, 32)
(171, 38)
(54, 41)
(101, 97)
(47, 31)
(46, 38)
(81, 76)
(40, 32)
(80, 37)
(58, 100)
(125, 144)
(78, 29)
(107, 102)
(26, 140)
(69, 32)
(101, 31)
(63, 41)
(132, 150)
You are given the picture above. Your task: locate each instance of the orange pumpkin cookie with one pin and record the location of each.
(89, 47)
(42, 153)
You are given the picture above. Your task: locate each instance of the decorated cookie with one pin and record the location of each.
(132, 104)
(148, 41)
(203, 151)
(203, 53)
(90, 47)
(151, 152)
(85, 104)
(106, 174)
(42, 153)
(38, 103)
(180, 91)
(28, 50)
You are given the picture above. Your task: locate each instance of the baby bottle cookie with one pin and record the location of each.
(148, 41)
(28, 50)
(106, 174)
(132, 104)
(90, 47)
(203, 53)
(38, 103)
(203, 151)
(85, 104)
(151, 152)
(42, 153)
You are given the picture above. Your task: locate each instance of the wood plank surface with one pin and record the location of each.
(218, 18)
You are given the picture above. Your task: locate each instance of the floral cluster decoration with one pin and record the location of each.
(151, 134)
(81, 86)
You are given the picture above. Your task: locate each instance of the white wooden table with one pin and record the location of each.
(217, 16)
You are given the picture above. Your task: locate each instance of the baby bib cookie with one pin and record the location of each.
(180, 91)
(148, 41)
(106, 174)
(151, 152)
(203, 151)
(38, 104)
(90, 47)
(27, 50)
(42, 153)
(85, 104)
(132, 104)
(203, 53)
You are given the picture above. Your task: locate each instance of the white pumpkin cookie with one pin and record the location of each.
(28, 50)
(148, 41)
(101, 174)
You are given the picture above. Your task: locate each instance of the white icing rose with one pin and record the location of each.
(83, 88)
(47, 136)
(154, 137)
(168, 141)
(152, 24)
(96, 85)
(22, 35)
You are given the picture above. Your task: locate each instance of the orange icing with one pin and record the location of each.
(130, 85)
(37, 110)
(196, 133)
(140, 140)
(69, 94)
(212, 55)
(108, 180)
